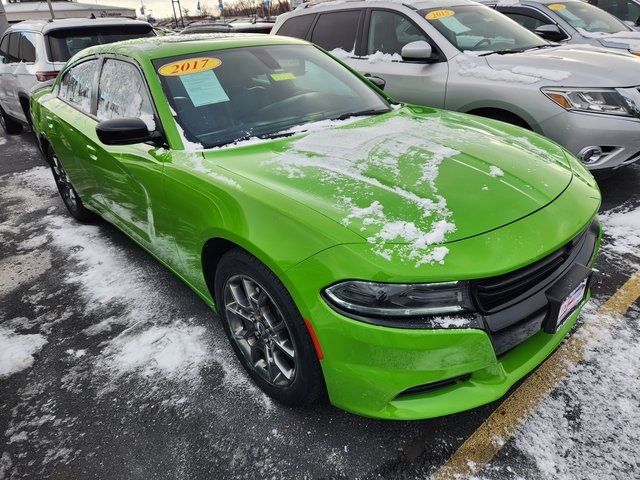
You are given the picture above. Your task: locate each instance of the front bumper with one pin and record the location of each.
(368, 368)
(576, 131)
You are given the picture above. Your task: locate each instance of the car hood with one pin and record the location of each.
(415, 176)
(572, 66)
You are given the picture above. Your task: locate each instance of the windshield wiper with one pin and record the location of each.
(363, 113)
(507, 51)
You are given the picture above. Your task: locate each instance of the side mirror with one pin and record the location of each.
(125, 131)
(419, 51)
(550, 32)
(377, 81)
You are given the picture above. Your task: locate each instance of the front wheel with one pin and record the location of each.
(67, 192)
(266, 330)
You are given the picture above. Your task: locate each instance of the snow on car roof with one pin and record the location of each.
(45, 26)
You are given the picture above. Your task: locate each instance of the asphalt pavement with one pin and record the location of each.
(132, 377)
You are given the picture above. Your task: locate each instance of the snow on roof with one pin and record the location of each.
(38, 12)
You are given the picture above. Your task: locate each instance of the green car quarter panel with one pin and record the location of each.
(406, 194)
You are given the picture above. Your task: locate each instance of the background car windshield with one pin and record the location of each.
(260, 91)
(65, 43)
(478, 28)
(587, 17)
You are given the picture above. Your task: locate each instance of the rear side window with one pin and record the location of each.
(337, 30)
(14, 47)
(28, 47)
(63, 44)
(297, 26)
(527, 21)
(122, 93)
(76, 85)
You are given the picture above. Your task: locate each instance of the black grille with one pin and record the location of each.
(500, 291)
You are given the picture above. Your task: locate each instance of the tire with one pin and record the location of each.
(9, 125)
(269, 335)
(69, 195)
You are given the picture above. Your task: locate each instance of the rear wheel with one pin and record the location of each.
(67, 192)
(266, 330)
(9, 125)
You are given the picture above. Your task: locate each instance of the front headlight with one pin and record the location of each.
(596, 100)
(388, 300)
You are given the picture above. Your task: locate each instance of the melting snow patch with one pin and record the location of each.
(472, 66)
(174, 351)
(623, 226)
(496, 171)
(381, 57)
(17, 351)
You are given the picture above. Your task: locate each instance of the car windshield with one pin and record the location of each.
(478, 28)
(223, 96)
(587, 17)
(62, 44)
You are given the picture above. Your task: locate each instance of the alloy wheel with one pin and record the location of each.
(258, 328)
(67, 191)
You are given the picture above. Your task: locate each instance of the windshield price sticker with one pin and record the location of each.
(283, 76)
(438, 14)
(556, 6)
(189, 66)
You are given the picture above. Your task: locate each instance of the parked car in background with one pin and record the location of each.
(32, 52)
(626, 10)
(461, 55)
(408, 261)
(249, 25)
(572, 22)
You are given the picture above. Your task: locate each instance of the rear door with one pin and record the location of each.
(130, 176)
(25, 72)
(10, 101)
(4, 66)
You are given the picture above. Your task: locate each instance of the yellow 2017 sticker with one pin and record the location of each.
(556, 6)
(438, 14)
(283, 76)
(189, 66)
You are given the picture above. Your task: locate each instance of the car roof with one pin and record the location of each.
(46, 26)
(506, 3)
(151, 48)
(345, 4)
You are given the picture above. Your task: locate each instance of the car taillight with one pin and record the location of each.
(44, 76)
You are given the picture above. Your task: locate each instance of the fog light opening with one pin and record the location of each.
(590, 155)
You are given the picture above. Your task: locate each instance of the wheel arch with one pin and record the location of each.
(504, 115)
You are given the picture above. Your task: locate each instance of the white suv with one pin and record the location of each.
(33, 52)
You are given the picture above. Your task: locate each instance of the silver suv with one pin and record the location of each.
(460, 55)
(572, 21)
(33, 52)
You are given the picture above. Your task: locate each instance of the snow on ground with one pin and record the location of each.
(622, 225)
(589, 426)
(17, 351)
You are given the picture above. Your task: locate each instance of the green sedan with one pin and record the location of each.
(404, 261)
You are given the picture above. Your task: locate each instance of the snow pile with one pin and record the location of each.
(341, 53)
(17, 351)
(347, 159)
(623, 226)
(589, 427)
(496, 171)
(380, 57)
(471, 66)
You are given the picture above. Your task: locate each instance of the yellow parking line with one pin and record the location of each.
(480, 448)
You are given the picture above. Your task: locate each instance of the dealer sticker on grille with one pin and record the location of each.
(572, 301)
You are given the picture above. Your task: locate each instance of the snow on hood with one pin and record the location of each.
(477, 67)
(589, 67)
(410, 178)
(629, 40)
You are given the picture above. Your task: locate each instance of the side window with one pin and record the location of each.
(28, 47)
(297, 26)
(623, 9)
(122, 93)
(527, 21)
(4, 48)
(76, 85)
(337, 30)
(14, 47)
(390, 31)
